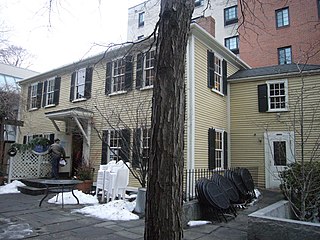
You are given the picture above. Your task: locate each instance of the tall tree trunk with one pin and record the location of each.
(165, 177)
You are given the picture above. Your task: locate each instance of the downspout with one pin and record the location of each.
(229, 124)
(190, 90)
(190, 103)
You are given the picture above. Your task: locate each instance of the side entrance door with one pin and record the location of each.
(279, 152)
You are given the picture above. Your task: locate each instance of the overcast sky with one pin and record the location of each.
(74, 27)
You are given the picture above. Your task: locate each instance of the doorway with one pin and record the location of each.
(77, 146)
(279, 152)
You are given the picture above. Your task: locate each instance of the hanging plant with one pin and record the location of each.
(38, 145)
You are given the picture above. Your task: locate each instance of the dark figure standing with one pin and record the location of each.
(57, 152)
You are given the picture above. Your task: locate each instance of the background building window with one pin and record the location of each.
(198, 3)
(282, 17)
(141, 19)
(232, 43)
(231, 15)
(284, 55)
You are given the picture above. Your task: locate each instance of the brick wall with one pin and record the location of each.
(260, 38)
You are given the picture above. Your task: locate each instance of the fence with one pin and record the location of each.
(191, 176)
(29, 165)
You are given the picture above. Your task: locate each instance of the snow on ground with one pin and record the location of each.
(11, 187)
(114, 210)
(68, 198)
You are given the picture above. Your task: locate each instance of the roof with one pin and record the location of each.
(278, 70)
(17, 72)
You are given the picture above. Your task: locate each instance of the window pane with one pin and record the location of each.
(280, 158)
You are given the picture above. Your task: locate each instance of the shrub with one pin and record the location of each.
(303, 191)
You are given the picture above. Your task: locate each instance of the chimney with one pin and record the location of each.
(208, 24)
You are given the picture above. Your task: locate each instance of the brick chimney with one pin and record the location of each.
(208, 24)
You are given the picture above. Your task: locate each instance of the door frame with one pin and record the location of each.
(290, 152)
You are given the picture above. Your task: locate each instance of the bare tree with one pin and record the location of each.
(15, 56)
(131, 121)
(164, 189)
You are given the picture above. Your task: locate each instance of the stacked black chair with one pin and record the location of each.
(213, 200)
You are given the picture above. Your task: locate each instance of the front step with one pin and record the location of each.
(32, 190)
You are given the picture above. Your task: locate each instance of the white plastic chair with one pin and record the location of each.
(121, 183)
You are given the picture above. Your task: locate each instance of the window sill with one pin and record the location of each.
(278, 110)
(50, 106)
(146, 88)
(217, 92)
(33, 109)
(79, 100)
(117, 93)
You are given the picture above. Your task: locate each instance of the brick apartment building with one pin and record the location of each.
(280, 32)
(262, 33)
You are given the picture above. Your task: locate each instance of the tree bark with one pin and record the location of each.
(165, 177)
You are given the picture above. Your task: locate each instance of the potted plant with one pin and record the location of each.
(85, 173)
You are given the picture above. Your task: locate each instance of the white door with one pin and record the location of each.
(279, 152)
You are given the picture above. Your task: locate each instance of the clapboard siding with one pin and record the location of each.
(248, 125)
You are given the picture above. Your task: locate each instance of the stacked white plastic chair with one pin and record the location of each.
(113, 180)
(104, 178)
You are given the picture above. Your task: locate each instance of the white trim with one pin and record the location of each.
(285, 81)
(229, 125)
(190, 103)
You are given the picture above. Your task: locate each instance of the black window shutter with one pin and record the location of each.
(44, 95)
(211, 148)
(139, 73)
(39, 94)
(225, 150)
(104, 153)
(136, 148)
(88, 83)
(51, 138)
(73, 81)
(24, 140)
(108, 78)
(29, 98)
(56, 95)
(128, 73)
(125, 145)
(210, 68)
(263, 97)
(224, 77)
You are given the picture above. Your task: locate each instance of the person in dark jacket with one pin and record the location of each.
(57, 152)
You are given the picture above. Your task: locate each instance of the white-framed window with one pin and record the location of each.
(33, 96)
(118, 77)
(115, 145)
(282, 17)
(232, 43)
(50, 91)
(198, 3)
(230, 15)
(149, 68)
(219, 148)
(145, 69)
(277, 95)
(141, 19)
(284, 55)
(217, 74)
(80, 82)
(146, 141)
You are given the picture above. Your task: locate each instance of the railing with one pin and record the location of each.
(191, 176)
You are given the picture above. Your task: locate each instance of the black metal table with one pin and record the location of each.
(60, 185)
